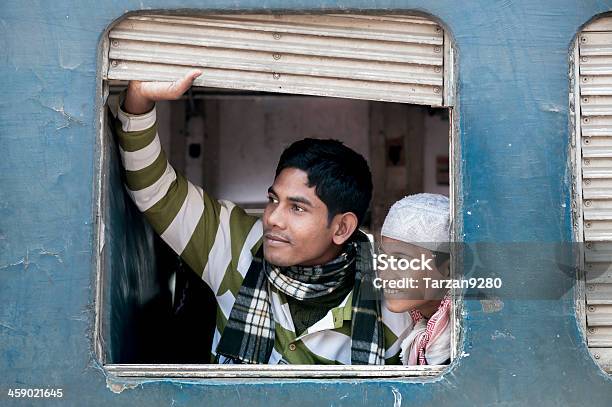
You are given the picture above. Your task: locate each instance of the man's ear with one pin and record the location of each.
(344, 226)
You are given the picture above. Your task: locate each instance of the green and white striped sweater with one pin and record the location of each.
(218, 239)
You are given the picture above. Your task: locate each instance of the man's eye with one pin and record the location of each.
(271, 199)
(298, 208)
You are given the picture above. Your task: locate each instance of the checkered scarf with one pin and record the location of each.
(248, 336)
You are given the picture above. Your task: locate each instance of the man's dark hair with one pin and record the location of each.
(341, 176)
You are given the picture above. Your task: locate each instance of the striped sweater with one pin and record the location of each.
(218, 239)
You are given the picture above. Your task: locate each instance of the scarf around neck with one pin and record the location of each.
(249, 334)
(429, 341)
(304, 282)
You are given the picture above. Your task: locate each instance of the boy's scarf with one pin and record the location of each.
(248, 336)
(429, 341)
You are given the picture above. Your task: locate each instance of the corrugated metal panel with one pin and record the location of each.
(603, 356)
(599, 315)
(599, 294)
(595, 143)
(601, 24)
(376, 57)
(600, 336)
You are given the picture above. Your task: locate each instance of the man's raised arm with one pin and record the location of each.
(184, 216)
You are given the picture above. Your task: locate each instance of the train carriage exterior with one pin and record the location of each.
(526, 83)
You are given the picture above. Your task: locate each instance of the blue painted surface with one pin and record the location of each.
(513, 106)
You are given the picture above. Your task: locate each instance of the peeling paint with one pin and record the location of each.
(397, 397)
(492, 305)
(7, 326)
(501, 335)
(21, 261)
(67, 59)
(26, 260)
(70, 119)
(118, 387)
(549, 107)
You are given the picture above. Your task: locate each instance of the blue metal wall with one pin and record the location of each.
(513, 106)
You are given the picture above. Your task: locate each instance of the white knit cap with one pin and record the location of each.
(422, 220)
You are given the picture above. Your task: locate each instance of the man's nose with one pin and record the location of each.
(276, 217)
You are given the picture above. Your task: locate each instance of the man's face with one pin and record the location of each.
(295, 222)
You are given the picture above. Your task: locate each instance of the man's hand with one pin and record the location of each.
(141, 96)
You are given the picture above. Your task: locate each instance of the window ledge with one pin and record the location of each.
(270, 371)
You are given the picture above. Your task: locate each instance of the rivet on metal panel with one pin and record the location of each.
(114, 63)
(586, 120)
(591, 330)
(438, 69)
(587, 141)
(115, 43)
(438, 49)
(589, 246)
(587, 162)
(438, 29)
(276, 56)
(585, 79)
(276, 75)
(587, 203)
(585, 100)
(276, 36)
(587, 225)
(583, 39)
(591, 308)
(587, 182)
(596, 355)
(584, 59)
(436, 90)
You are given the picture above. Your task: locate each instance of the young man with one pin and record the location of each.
(291, 287)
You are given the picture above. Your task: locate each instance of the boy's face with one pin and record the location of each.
(412, 298)
(295, 223)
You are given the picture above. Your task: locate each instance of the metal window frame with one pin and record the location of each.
(213, 371)
(576, 155)
(576, 160)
